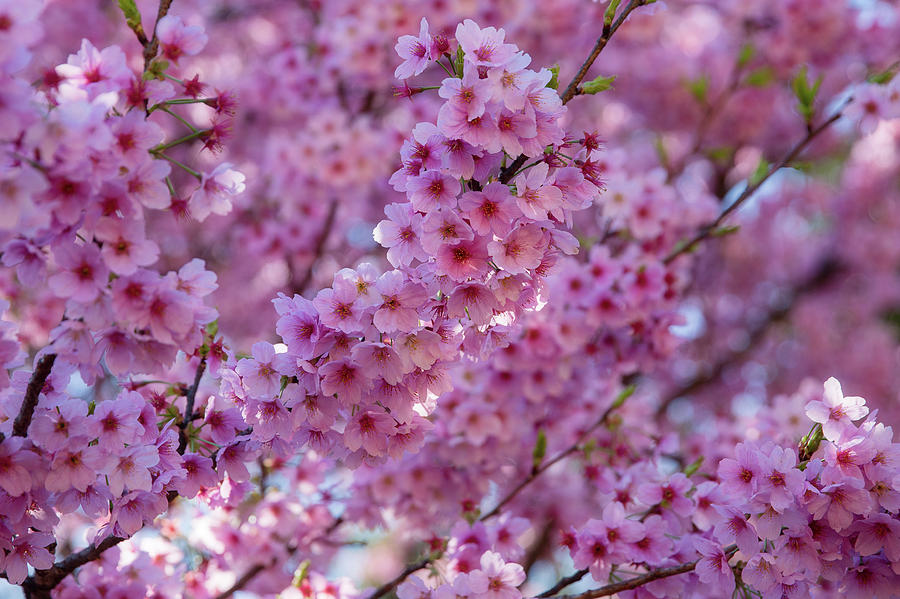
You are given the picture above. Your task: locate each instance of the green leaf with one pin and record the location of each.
(212, 329)
(131, 12)
(805, 93)
(760, 77)
(880, 78)
(610, 14)
(554, 80)
(540, 450)
(693, 467)
(760, 172)
(726, 230)
(597, 85)
(746, 54)
(300, 573)
(458, 63)
(622, 396)
(699, 88)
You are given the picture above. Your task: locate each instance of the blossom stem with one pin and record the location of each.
(184, 167)
(179, 118)
(172, 144)
(708, 229)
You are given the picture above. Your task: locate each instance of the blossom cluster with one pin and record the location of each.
(470, 254)
(479, 388)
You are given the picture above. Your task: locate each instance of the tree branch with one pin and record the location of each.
(821, 277)
(42, 582)
(627, 585)
(189, 406)
(707, 229)
(32, 394)
(564, 582)
(571, 90)
(320, 247)
(394, 582)
(152, 46)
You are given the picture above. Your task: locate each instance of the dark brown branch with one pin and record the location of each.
(571, 90)
(42, 582)
(394, 582)
(564, 582)
(250, 574)
(820, 277)
(152, 45)
(241, 582)
(627, 585)
(604, 418)
(608, 30)
(320, 247)
(189, 406)
(708, 229)
(32, 394)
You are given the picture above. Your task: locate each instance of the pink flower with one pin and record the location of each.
(713, 568)
(124, 245)
(444, 227)
(299, 325)
(761, 572)
(534, 195)
(398, 310)
(671, 495)
(131, 468)
(484, 47)
(835, 412)
(652, 546)
(431, 190)
(369, 430)
(260, 373)
(473, 301)
(378, 359)
(491, 209)
(496, 579)
(878, 532)
(75, 467)
(740, 477)
(400, 233)
(16, 466)
(466, 259)
(115, 421)
(780, 481)
(199, 474)
(734, 527)
(344, 378)
(216, 191)
(467, 95)
(28, 549)
(839, 502)
(82, 275)
(96, 71)
(338, 308)
(177, 39)
(521, 250)
(415, 52)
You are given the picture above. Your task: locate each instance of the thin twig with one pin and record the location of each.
(394, 582)
(571, 90)
(707, 229)
(550, 463)
(563, 583)
(39, 585)
(320, 247)
(821, 277)
(633, 583)
(189, 406)
(32, 394)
